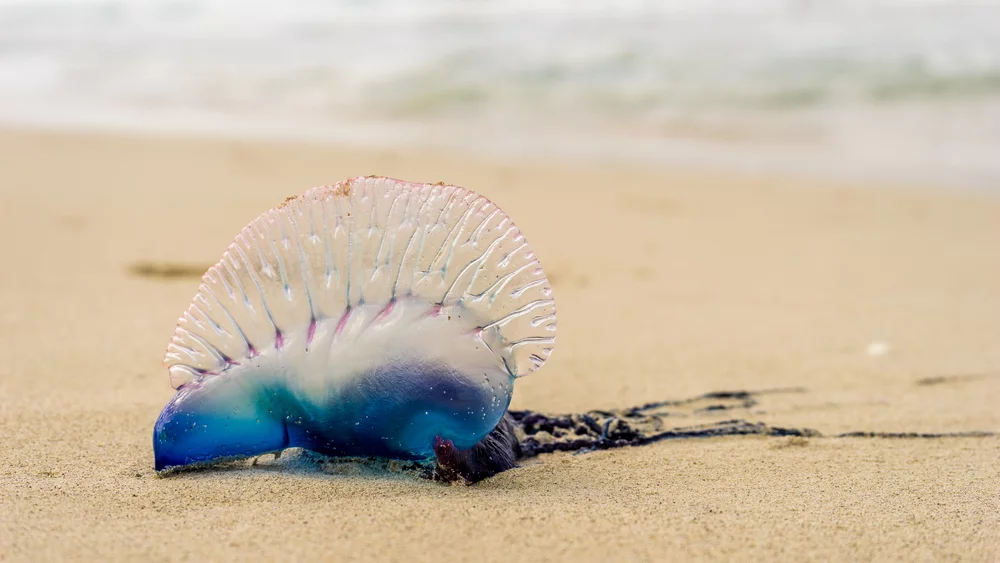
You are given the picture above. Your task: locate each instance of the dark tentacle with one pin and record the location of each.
(497, 452)
(524, 434)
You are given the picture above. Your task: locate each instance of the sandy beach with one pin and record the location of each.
(845, 308)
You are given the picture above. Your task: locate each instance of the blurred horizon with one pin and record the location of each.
(890, 91)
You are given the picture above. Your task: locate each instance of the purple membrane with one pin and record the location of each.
(370, 318)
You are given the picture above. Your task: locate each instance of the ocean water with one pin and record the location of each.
(883, 90)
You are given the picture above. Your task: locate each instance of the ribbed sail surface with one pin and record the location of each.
(367, 244)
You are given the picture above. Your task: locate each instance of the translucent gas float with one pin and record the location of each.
(373, 317)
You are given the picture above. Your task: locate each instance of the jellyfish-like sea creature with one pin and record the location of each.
(374, 318)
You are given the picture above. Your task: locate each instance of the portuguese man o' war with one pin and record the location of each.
(371, 318)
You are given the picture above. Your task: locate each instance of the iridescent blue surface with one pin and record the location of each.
(391, 411)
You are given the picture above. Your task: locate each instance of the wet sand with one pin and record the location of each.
(876, 310)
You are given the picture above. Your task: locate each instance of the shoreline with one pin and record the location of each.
(688, 148)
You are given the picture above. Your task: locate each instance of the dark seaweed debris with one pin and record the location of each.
(911, 435)
(168, 270)
(641, 425)
(618, 433)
